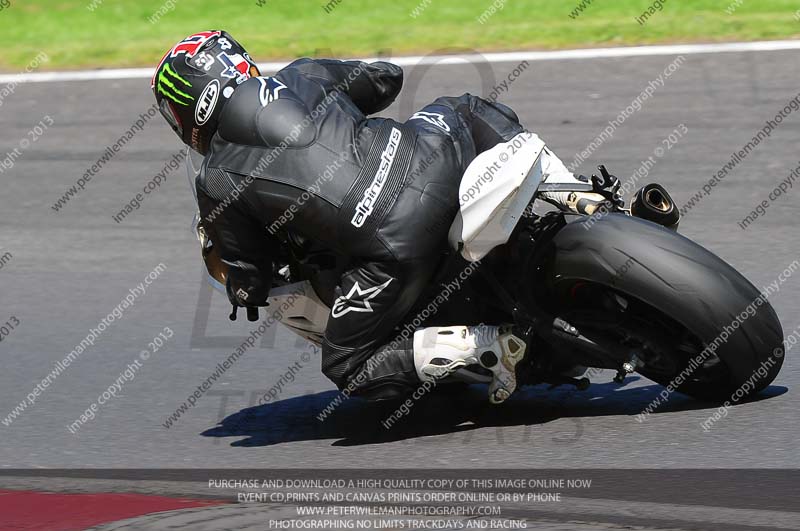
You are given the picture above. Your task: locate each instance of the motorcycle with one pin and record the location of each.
(607, 288)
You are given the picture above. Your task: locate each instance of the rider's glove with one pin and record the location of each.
(247, 286)
(233, 297)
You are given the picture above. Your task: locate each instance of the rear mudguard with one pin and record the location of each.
(687, 282)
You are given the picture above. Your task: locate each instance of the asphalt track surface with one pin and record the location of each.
(69, 269)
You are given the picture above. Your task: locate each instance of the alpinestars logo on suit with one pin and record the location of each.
(356, 300)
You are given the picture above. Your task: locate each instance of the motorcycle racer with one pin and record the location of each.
(297, 157)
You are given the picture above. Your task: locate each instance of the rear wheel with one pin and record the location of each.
(665, 349)
(694, 320)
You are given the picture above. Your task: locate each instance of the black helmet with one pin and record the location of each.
(195, 79)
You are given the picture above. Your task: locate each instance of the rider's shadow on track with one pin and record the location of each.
(446, 411)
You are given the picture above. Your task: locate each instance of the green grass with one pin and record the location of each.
(118, 33)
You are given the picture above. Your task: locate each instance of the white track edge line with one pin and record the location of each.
(415, 60)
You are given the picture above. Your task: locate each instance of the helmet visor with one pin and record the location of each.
(170, 116)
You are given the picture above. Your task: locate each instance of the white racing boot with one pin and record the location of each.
(440, 352)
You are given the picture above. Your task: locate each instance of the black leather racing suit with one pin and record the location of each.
(309, 161)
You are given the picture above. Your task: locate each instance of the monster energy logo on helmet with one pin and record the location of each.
(167, 84)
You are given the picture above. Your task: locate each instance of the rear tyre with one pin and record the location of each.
(701, 326)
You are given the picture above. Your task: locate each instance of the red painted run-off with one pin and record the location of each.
(43, 511)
